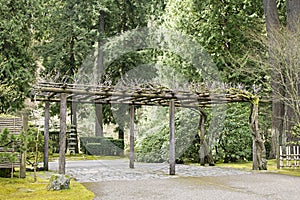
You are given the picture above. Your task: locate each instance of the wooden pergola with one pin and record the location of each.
(131, 95)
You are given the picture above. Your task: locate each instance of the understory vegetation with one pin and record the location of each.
(228, 134)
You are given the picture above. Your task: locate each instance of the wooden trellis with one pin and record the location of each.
(132, 95)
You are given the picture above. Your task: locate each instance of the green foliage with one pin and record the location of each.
(295, 132)
(229, 137)
(33, 137)
(152, 149)
(17, 66)
(9, 151)
(223, 28)
(153, 145)
(234, 138)
(70, 30)
(101, 146)
(25, 188)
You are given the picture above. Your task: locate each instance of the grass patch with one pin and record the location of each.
(272, 167)
(16, 188)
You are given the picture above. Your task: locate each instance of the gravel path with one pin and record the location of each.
(113, 180)
(114, 170)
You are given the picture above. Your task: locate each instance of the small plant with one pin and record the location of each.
(8, 146)
(295, 131)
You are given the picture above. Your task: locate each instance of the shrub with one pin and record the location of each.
(101, 146)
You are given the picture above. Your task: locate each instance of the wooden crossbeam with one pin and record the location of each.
(99, 94)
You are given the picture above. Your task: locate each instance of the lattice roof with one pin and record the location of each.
(135, 95)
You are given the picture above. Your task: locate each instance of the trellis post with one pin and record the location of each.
(131, 157)
(172, 138)
(46, 135)
(62, 134)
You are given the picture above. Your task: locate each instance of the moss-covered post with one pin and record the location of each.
(62, 134)
(131, 156)
(204, 152)
(172, 138)
(259, 150)
(46, 135)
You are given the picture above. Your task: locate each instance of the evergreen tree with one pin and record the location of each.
(17, 63)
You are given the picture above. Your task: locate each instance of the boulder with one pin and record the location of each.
(59, 182)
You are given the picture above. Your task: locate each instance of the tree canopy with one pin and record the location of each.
(57, 41)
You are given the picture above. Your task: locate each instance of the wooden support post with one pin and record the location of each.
(281, 157)
(99, 121)
(131, 157)
(259, 150)
(172, 138)
(254, 155)
(23, 154)
(62, 134)
(46, 135)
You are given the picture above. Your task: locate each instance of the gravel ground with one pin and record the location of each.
(113, 180)
(255, 186)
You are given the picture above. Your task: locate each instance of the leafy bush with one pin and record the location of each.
(154, 145)
(229, 137)
(234, 142)
(151, 149)
(8, 142)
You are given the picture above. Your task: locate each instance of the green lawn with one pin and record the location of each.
(271, 167)
(16, 188)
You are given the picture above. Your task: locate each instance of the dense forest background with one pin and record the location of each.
(253, 44)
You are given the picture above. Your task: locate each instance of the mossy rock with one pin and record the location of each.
(59, 182)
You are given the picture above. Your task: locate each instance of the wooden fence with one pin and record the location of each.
(5, 162)
(14, 125)
(289, 156)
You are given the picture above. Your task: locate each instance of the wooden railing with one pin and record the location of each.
(289, 156)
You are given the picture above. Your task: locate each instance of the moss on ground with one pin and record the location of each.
(272, 167)
(16, 188)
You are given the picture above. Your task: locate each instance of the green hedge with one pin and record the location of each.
(101, 146)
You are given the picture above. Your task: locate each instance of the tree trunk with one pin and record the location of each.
(292, 50)
(62, 134)
(205, 154)
(259, 150)
(100, 69)
(272, 25)
(293, 15)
